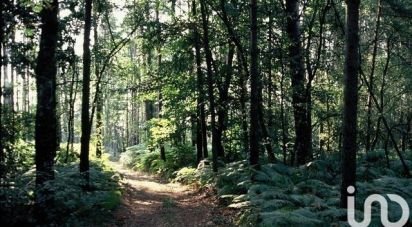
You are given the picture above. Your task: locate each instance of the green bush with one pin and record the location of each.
(186, 175)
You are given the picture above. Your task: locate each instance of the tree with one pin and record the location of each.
(201, 137)
(351, 73)
(255, 89)
(46, 118)
(99, 97)
(85, 118)
(2, 159)
(210, 82)
(302, 147)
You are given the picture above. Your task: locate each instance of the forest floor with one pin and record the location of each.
(148, 200)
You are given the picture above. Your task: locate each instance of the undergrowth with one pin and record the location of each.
(140, 158)
(73, 206)
(279, 195)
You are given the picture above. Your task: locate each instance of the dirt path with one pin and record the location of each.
(147, 201)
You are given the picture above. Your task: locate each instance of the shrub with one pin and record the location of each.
(303, 196)
(130, 157)
(186, 175)
(76, 206)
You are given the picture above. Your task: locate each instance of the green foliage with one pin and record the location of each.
(186, 175)
(76, 206)
(234, 179)
(180, 156)
(288, 196)
(160, 130)
(130, 157)
(139, 157)
(23, 155)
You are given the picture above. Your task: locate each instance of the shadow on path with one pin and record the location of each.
(150, 201)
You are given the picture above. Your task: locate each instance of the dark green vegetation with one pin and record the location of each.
(279, 105)
(73, 205)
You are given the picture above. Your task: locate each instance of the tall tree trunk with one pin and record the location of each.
(99, 126)
(223, 99)
(72, 100)
(210, 82)
(85, 118)
(351, 70)
(255, 89)
(12, 82)
(243, 100)
(201, 116)
(407, 143)
(99, 98)
(2, 166)
(159, 62)
(283, 113)
(371, 79)
(382, 92)
(302, 148)
(46, 116)
(266, 132)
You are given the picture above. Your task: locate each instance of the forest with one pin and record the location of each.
(206, 113)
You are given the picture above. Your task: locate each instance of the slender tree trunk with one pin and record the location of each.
(26, 90)
(243, 108)
(12, 83)
(2, 164)
(85, 118)
(382, 93)
(371, 80)
(283, 113)
(99, 126)
(351, 70)
(70, 121)
(46, 116)
(407, 139)
(388, 128)
(268, 142)
(161, 145)
(302, 148)
(99, 98)
(284, 125)
(210, 82)
(159, 62)
(201, 116)
(222, 108)
(255, 89)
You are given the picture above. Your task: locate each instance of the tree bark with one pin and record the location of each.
(2, 164)
(159, 62)
(243, 107)
(210, 82)
(99, 98)
(201, 116)
(72, 99)
(302, 147)
(85, 114)
(255, 90)
(46, 115)
(351, 70)
(270, 129)
(223, 99)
